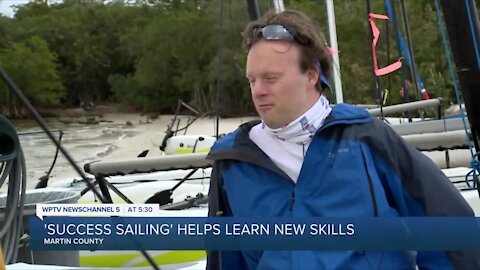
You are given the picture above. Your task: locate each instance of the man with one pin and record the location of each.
(305, 159)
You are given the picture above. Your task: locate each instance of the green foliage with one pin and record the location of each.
(148, 53)
(33, 67)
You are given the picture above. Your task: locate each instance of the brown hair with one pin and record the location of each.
(306, 30)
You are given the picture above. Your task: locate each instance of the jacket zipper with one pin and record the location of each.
(292, 201)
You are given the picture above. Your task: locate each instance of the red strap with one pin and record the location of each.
(376, 33)
(388, 69)
(425, 94)
(377, 16)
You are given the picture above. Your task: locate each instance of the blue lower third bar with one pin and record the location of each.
(170, 233)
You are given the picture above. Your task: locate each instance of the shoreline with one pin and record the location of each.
(141, 133)
(130, 147)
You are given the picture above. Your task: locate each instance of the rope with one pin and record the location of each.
(474, 164)
(21, 171)
(410, 46)
(376, 79)
(398, 36)
(41, 122)
(404, 49)
(14, 169)
(376, 34)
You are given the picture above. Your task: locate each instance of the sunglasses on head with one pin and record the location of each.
(276, 32)
(280, 32)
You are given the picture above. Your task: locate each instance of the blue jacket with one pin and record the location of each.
(355, 166)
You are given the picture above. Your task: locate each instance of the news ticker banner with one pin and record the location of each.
(134, 227)
(98, 210)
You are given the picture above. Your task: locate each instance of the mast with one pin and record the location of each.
(253, 10)
(410, 49)
(461, 20)
(279, 6)
(376, 79)
(332, 29)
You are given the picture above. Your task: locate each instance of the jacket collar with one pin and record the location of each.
(238, 146)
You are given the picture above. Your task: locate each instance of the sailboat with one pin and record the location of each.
(140, 178)
(447, 142)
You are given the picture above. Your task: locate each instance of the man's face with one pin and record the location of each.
(281, 92)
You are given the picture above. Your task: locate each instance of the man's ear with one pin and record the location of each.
(313, 74)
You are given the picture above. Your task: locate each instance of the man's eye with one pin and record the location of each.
(272, 79)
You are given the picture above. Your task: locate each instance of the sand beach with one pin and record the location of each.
(146, 131)
(137, 132)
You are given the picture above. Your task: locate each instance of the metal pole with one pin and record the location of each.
(376, 79)
(219, 71)
(253, 10)
(410, 49)
(332, 28)
(279, 6)
(393, 18)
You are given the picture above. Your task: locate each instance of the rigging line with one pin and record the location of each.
(389, 79)
(376, 78)
(451, 68)
(60, 136)
(43, 125)
(420, 84)
(41, 122)
(219, 70)
(472, 32)
(393, 16)
(410, 47)
(36, 132)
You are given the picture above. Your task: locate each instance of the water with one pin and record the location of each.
(85, 143)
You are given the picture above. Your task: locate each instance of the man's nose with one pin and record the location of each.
(259, 89)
